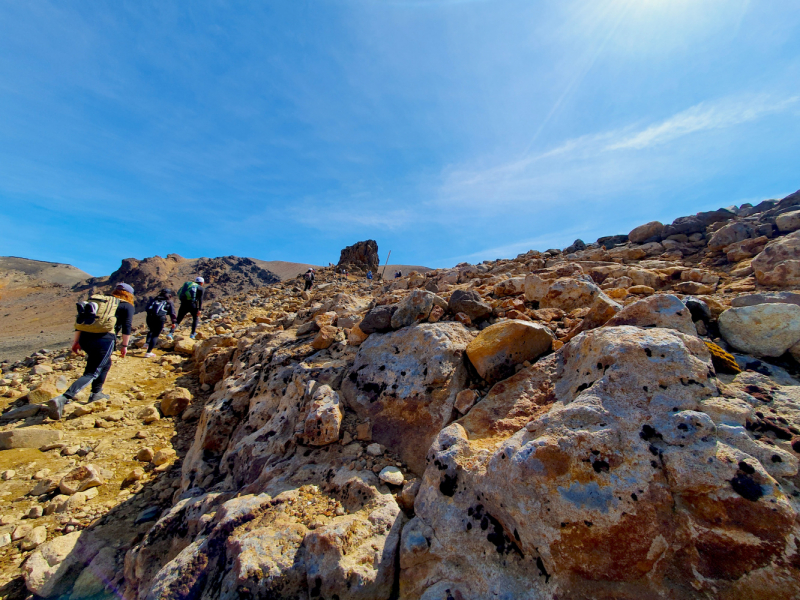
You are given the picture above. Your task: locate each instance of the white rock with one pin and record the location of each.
(392, 475)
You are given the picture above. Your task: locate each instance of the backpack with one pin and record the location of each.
(98, 315)
(308, 277)
(188, 291)
(157, 308)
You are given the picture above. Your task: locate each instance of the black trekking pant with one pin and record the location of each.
(309, 283)
(155, 325)
(186, 309)
(98, 362)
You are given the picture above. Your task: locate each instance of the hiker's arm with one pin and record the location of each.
(76, 346)
(126, 338)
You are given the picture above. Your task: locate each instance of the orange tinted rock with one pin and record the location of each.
(502, 346)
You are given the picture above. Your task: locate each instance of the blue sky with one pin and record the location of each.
(447, 130)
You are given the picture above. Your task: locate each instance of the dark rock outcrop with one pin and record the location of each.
(361, 256)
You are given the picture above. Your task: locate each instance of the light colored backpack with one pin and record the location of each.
(98, 315)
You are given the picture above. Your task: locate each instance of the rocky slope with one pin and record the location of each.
(618, 420)
(224, 276)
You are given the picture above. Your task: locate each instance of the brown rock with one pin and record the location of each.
(80, 479)
(437, 312)
(645, 232)
(464, 400)
(664, 310)
(175, 401)
(145, 454)
(325, 337)
(356, 337)
(135, 475)
(500, 347)
(463, 318)
(163, 456)
(779, 263)
(641, 289)
(43, 393)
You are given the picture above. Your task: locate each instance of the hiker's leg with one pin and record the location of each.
(104, 366)
(98, 359)
(183, 310)
(156, 326)
(195, 314)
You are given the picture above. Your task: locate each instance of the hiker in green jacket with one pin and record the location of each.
(191, 297)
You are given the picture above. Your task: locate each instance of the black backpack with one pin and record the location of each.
(157, 308)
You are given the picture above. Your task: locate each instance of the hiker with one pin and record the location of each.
(157, 311)
(398, 275)
(94, 334)
(369, 275)
(191, 297)
(308, 277)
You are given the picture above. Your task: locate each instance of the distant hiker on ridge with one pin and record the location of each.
(94, 334)
(308, 277)
(157, 311)
(191, 297)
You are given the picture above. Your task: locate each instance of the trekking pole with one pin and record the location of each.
(385, 264)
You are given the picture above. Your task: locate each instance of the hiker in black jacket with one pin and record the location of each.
(308, 277)
(98, 347)
(191, 297)
(157, 311)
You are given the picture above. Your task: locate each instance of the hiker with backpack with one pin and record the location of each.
(308, 277)
(191, 297)
(157, 311)
(94, 334)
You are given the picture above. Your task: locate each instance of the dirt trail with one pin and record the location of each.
(109, 438)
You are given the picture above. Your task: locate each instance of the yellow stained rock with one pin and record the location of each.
(502, 346)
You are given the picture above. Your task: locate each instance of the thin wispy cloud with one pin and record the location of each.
(705, 116)
(603, 163)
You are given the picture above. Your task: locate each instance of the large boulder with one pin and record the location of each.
(413, 308)
(378, 320)
(788, 222)
(761, 329)
(663, 310)
(470, 303)
(778, 264)
(405, 383)
(499, 348)
(53, 567)
(685, 226)
(618, 487)
(536, 287)
(730, 234)
(568, 294)
(642, 233)
(510, 287)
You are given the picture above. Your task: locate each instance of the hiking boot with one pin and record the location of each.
(98, 396)
(55, 407)
(192, 336)
(170, 337)
(150, 355)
